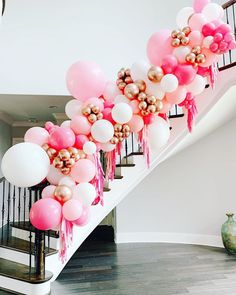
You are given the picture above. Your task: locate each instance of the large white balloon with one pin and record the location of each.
(183, 17)
(155, 89)
(66, 123)
(122, 113)
(207, 41)
(85, 192)
(111, 91)
(158, 133)
(89, 148)
(139, 70)
(107, 147)
(73, 108)
(169, 83)
(102, 131)
(197, 86)
(181, 53)
(213, 11)
(25, 164)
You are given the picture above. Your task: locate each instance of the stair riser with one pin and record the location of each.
(21, 287)
(15, 256)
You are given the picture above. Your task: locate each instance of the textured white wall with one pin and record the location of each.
(188, 194)
(5, 139)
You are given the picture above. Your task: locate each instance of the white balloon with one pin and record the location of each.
(139, 70)
(111, 91)
(25, 164)
(181, 52)
(183, 17)
(197, 86)
(169, 83)
(73, 107)
(85, 192)
(121, 98)
(207, 41)
(213, 11)
(155, 89)
(102, 131)
(107, 147)
(66, 124)
(54, 175)
(67, 180)
(159, 133)
(122, 113)
(89, 148)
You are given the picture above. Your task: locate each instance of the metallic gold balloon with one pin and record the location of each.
(127, 72)
(76, 158)
(175, 33)
(118, 81)
(63, 193)
(121, 86)
(92, 118)
(201, 58)
(151, 99)
(114, 140)
(141, 85)
(196, 50)
(191, 57)
(131, 90)
(142, 105)
(151, 109)
(120, 134)
(155, 74)
(81, 154)
(65, 170)
(45, 146)
(121, 73)
(128, 80)
(126, 128)
(159, 105)
(95, 110)
(144, 113)
(180, 35)
(117, 127)
(64, 155)
(91, 105)
(142, 96)
(51, 153)
(73, 151)
(186, 31)
(185, 41)
(99, 116)
(175, 42)
(120, 139)
(86, 111)
(58, 163)
(70, 163)
(126, 134)
(117, 134)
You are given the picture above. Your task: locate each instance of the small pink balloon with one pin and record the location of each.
(232, 45)
(185, 74)
(177, 96)
(37, 135)
(111, 91)
(46, 214)
(83, 171)
(214, 47)
(169, 64)
(72, 209)
(80, 125)
(136, 123)
(95, 101)
(80, 140)
(166, 106)
(208, 29)
(155, 52)
(84, 217)
(61, 138)
(218, 37)
(85, 79)
(223, 46)
(228, 37)
(197, 21)
(198, 5)
(134, 106)
(149, 119)
(196, 38)
(48, 191)
(49, 126)
(223, 29)
(107, 115)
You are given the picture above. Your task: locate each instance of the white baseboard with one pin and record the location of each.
(160, 237)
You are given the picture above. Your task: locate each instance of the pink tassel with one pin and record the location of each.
(143, 140)
(98, 180)
(111, 164)
(213, 74)
(190, 104)
(66, 238)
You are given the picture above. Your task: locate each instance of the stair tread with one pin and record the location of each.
(21, 272)
(26, 225)
(134, 154)
(118, 177)
(125, 165)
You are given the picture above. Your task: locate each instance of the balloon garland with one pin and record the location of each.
(104, 113)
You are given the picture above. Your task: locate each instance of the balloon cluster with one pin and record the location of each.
(180, 37)
(196, 57)
(92, 112)
(120, 133)
(124, 78)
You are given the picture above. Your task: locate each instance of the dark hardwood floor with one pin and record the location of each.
(103, 268)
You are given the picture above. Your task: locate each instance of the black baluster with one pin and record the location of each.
(14, 204)
(19, 196)
(132, 141)
(24, 200)
(30, 234)
(8, 204)
(126, 151)
(3, 202)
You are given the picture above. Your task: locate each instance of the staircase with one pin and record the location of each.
(29, 257)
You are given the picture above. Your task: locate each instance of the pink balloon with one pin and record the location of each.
(195, 38)
(80, 141)
(169, 64)
(107, 115)
(218, 37)
(210, 57)
(166, 106)
(49, 126)
(177, 96)
(232, 45)
(84, 217)
(134, 106)
(48, 191)
(136, 123)
(228, 37)
(198, 5)
(197, 21)
(85, 79)
(214, 47)
(83, 171)
(223, 29)
(46, 214)
(80, 125)
(111, 91)
(37, 135)
(185, 74)
(208, 29)
(149, 119)
(61, 138)
(223, 46)
(155, 52)
(95, 101)
(72, 209)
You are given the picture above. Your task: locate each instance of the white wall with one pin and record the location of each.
(5, 139)
(185, 198)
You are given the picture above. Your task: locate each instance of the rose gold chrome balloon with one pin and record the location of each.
(63, 193)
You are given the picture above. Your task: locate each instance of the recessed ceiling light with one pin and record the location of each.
(53, 107)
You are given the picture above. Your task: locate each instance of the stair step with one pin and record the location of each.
(106, 189)
(125, 165)
(134, 154)
(118, 177)
(21, 272)
(26, 225)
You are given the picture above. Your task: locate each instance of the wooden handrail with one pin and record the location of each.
(229, 3)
